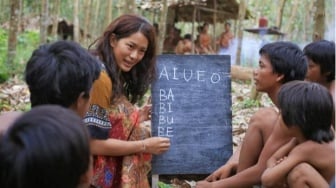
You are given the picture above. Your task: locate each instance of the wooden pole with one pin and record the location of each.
(193, 30)
(214, 26)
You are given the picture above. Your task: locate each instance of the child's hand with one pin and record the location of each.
(282, 153)
(204, 184)
(280, 160)
(224, 171)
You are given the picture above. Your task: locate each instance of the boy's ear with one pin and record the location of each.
(326, 74)
(280, 77)
(79, 104)
(81, 101)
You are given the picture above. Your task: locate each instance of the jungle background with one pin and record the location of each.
(26, 24)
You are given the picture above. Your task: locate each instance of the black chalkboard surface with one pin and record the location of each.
(191, 104)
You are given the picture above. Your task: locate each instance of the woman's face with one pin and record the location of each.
(129, 51)
(264, 76)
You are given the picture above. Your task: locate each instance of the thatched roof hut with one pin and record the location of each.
(210, 11)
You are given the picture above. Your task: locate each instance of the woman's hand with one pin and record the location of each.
(156, 145)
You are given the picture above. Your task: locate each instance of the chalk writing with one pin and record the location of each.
(174, 73)
(192, 106)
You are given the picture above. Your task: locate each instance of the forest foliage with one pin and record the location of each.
(296, 20)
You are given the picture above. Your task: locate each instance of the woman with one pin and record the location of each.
(120, 145)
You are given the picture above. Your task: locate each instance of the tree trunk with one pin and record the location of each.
(108, 13)
(96, 20)
(214, 46)
(44, 21)
(241, 17)
(291, 21)
(162, 27)
(308, 20)
(280, 13)
(12, 33)
(55, 12)
(76, 21)
(86, 35)
(319, 19)
(21, 18)
(129, 6)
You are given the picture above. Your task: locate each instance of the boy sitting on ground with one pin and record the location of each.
(306, 113)
(280, 62)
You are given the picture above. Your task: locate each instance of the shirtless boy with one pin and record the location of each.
(321, 69)
(280, 62)
(321, 64)
(314, 137)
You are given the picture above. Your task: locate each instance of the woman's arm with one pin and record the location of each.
(115, 147)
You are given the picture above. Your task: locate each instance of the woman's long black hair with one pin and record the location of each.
(136, 82)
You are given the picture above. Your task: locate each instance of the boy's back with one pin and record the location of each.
(320, 156)
(306, 114)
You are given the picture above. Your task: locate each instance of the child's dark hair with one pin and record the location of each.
(309, 106)
(286, 58)
(322, 53)
(58, 73)
(47, 146)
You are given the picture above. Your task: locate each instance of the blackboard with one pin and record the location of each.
(191, 104)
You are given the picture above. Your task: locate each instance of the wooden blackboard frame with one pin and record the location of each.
(191, 104)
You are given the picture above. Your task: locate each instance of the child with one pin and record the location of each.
(62, 73)
(46, 147)
(59, 73)
(279, 63)
(306, 112)
(321, 69)
(321, 64)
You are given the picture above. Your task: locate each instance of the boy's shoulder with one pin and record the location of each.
(265, 114)
(311, 149)
(310, 145)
